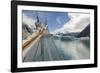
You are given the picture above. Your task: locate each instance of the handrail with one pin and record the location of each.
(30, 39)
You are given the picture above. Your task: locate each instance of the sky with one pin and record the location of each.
(58, 21)
(55, 20)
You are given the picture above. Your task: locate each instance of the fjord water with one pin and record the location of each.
(74, 48)
(51, 48)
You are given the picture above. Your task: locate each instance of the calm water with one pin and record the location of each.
(51, 48)
(74, 48)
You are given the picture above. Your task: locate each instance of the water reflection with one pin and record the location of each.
(75, 48)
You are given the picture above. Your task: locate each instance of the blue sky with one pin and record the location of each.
(55, 20)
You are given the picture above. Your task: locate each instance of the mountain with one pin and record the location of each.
(85, 32)
(69, 34)
(26, 31)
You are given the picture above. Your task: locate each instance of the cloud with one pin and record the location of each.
(76, 23)
(29, 21)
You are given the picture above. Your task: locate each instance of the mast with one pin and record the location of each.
(37, 17)
(46, 25)
(37, 23)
